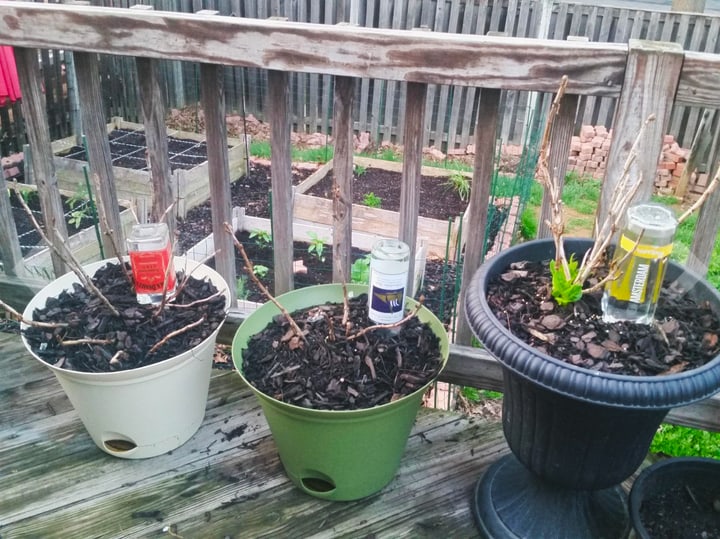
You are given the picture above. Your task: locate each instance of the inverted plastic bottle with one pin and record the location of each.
(633, 296)
(389, 265)
(151, 260)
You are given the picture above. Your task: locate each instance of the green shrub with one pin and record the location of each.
(460, 184)
(372, 200)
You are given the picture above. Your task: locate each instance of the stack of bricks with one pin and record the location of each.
(589, 152)
(12, 166)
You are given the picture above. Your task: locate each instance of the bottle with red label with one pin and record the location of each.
(151, 260)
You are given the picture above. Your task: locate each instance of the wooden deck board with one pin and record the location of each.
(56, 483)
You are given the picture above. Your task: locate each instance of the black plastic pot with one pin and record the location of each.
(671, 475)
(575, 434)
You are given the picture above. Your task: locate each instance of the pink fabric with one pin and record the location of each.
(9, 84)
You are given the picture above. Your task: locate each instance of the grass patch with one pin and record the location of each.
(262, 148)
(678, 441)
(581, 193)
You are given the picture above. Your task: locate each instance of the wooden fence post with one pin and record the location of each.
(281, 172)
(343, 176)
(213, 101)
(10, 253)
(486, 124)
(562, 131)
(98, 149)
(706, 232)
(153, 107)
(651, 79)
(38, 133)
(412, 170)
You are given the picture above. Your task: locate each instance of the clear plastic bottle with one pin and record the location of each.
(151, 259)
(634, 294)
(389, 265)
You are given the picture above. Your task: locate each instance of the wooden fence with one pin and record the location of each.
(644, 77)
(450, 109)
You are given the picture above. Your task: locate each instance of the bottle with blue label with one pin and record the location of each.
(389, 265)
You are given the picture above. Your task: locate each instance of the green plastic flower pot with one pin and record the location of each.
(330, 454)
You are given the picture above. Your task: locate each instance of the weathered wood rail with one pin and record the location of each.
(646, 77)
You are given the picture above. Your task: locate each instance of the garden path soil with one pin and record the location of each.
(684, 337)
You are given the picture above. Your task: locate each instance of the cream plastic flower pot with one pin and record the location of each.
(143, 412)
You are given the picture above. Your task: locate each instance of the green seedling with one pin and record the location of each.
(371, 200)
(360, 271)
(359, 170)
(241, 288)
(565, 290)
(260, 271)
(460, 184)
(262, 237)
(316, 247)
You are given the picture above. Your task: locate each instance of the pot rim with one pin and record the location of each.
(180, 262)
(646, 392)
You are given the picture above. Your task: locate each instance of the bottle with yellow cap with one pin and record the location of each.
(648, 236)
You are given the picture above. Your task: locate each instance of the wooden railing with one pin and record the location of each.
(646, 77)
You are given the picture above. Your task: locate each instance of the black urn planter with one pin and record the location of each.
(677, 497)
(575, 434)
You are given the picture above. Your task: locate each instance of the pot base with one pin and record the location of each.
(512, 503)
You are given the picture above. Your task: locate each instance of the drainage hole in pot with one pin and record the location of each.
(315, 484)
(119, 446)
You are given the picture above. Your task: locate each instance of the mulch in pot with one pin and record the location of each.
(131, 336)
(333, 372)
(684, 336)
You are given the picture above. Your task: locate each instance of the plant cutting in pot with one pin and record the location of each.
(677, 497)
(581, 402)
(137, 374)
(340, 393)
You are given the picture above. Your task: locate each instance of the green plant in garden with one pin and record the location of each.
(476, 395)
(528, 224)
(371, 200)
(360, 270)
(260, 271)
(460, 184)
(242, 288)
(262, 237)
(316, 247)
(260, 148)
(678, 441)
(359, 170)
(565, 290)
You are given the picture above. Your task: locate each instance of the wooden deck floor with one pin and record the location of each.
(54, 482)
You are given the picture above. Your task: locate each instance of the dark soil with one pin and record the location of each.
(28, 236)
(128, 150)
(675, 514)
(252, 192)
(437, 199)
(130, 337)
(684, 337)
(333, 372)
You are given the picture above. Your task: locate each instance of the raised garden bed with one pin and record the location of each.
(188, 161)
(82, 237)
(439, 203)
